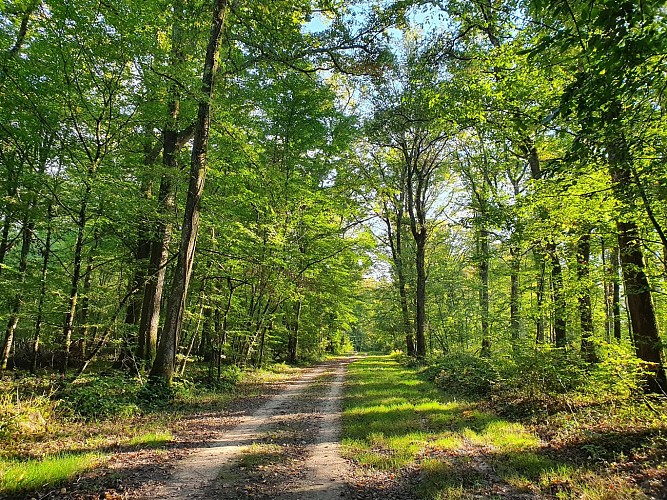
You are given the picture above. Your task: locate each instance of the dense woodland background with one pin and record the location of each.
(435, 177)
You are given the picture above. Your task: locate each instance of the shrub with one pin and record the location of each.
(540, 372)
(463, 374)
(229, 377)
(619, 373)
(101, 397)
(156, 394)
(24, 417)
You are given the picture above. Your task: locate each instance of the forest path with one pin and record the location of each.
(287, 449)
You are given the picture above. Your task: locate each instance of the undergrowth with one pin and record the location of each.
(541, 423)
(52, 430)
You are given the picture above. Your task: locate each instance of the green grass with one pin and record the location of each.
(394, 419)
(28, 475)
(154, 439)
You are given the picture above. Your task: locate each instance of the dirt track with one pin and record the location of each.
(286, 449)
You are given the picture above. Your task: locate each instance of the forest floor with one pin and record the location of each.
(411, 440)
(360, 428)
(281, 441)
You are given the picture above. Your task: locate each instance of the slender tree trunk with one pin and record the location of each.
(560, 334)
(133, 311)
(402, 293)
(420, 261)
(4, 240)
(46, 252)
(159, 246)
(483, 255)
(515, 319)
(396, 246)
(85, 298)
(539, 293)
(206, 344)
(164, 364)
(293, 339)
(616, 297)
(68, 325)
(606, 293)
(28, 228)
(585, 307)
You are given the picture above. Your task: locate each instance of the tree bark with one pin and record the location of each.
(560, 333)
(159, 246)
(515, 319)
(643, 318)
(539, 293)
(483, 238)
(82, 219)
(396, 246)
(616, 297)
(164, 364)
(46, 252)
(4, 240)
(417, 184)
(585, 308)
(293, 338)
(420, 261)
(28, 228)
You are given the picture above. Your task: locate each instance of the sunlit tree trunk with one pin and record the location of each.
(164, 364)
(616, 295)
(637, 288)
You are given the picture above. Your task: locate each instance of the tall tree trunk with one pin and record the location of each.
(637, 288)
(585, 308)
(293, 337)
(82, 219)
(515, 301)
(420, 261)
(4, 240)
(539, 293)
(17, 303)
(483, 256)
(157, 266)
(396, 246)
(640, 304)
(616, 297)
(405, 314)
(46, 252)
(164, 364)
(560, 334)
(159, 247)
(12, 179)
(83, 332)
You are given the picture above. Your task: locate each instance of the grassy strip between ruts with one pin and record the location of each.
(394, 420)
